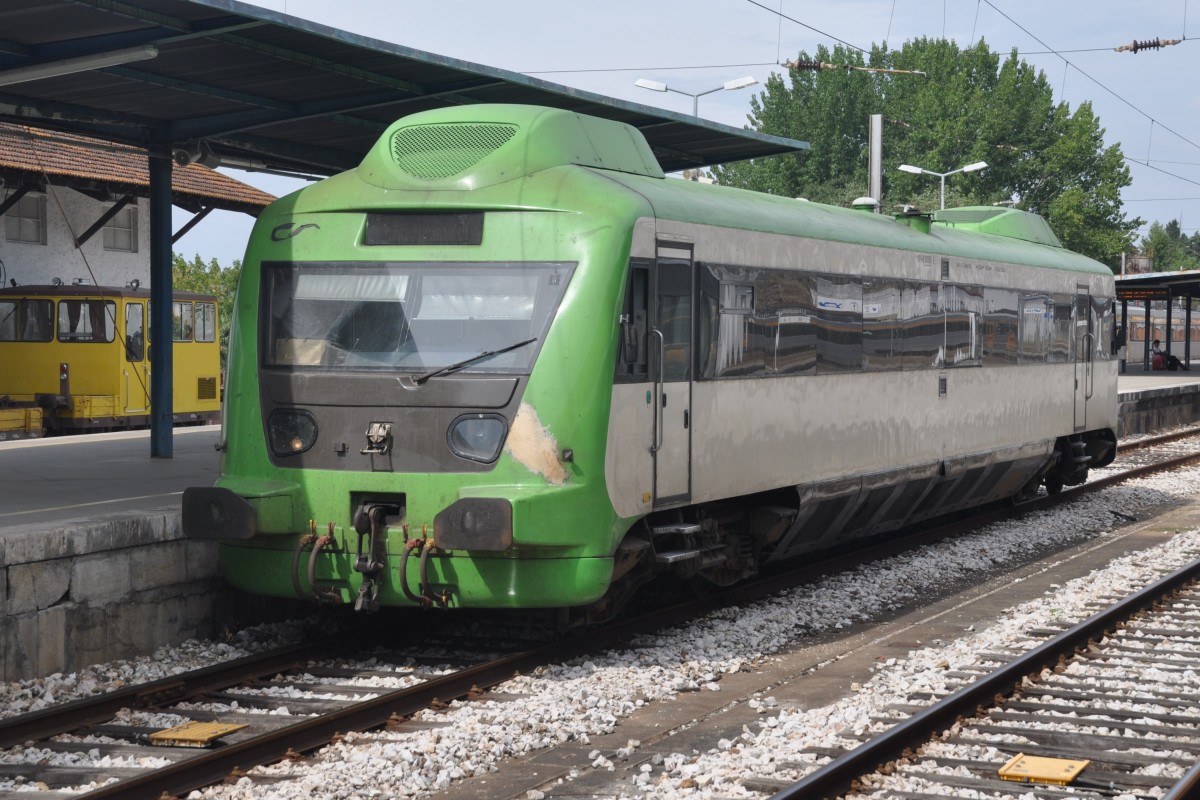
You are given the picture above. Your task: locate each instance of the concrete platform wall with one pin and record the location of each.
(86, 593)
(1150, 410)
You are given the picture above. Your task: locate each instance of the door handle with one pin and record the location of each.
(658, 389)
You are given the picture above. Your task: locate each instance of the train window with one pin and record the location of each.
(135, 339)
(86, 320)
(795, 308)
(999, 326)
(839, 324)
(1060, 330)
(1036, 315)
(408, 316)
(736, 336)
(883, 333)
(206, 322)
(1104, 323)
(674, 319)
(964, 316)
(26, 320)
(924, 323)
(181, 321)
(632, 365)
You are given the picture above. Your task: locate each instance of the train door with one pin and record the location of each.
(135, 370)
(1084, 348)
(671, 353)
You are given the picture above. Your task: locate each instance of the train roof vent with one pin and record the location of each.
(469, 147)
(1010, 222)
(440, 151)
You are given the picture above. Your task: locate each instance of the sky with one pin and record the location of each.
(1148, 102)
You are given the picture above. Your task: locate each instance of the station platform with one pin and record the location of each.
(94, 566)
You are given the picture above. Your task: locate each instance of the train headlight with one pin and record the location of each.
(477, 437)
(291, 431)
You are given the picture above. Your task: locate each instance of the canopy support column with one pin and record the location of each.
(161, 349)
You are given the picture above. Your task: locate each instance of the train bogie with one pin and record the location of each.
(507, 363)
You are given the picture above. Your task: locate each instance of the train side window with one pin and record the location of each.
(1104, 323)
(883, 332)
(1035, 318)
(632, 364)
(738, 337)
(924, 322)
(181, 321)
(839, 324)
(999, 326)
(964, 316)
(26, 320)
(86, 320)
(1062, 328)
(792, 296)
(135, 338)
(206, 322)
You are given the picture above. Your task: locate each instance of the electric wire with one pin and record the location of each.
(1089, 77)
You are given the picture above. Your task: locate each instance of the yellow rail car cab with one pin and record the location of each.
(81, 355)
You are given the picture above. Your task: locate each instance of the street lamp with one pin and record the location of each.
(978, 165)
(728, 86)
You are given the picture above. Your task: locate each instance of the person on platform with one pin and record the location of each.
(1168, 361)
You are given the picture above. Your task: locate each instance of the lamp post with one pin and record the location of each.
(978, 165)
(728, 86)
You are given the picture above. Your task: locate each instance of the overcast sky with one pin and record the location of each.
(1148, 102)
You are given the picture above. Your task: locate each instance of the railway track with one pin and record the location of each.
(1116, 691)
(337, 699)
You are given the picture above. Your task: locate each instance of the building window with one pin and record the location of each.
(121, 232)
(26, 221)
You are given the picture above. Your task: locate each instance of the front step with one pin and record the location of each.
(669, 528)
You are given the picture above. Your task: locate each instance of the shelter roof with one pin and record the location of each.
(30, 156)
(273, 91)
(1159, 285)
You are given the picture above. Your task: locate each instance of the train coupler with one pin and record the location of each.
(369, 560)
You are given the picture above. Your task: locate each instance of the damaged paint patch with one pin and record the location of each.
(534, 447)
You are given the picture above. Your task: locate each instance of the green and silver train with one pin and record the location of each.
(507, 363)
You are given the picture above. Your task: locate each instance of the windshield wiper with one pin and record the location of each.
(466, 362)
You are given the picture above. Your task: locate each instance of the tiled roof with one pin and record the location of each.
(70, 158)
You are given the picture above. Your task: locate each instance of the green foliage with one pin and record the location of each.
(973, 106)
(210, 278)
(1170, 249)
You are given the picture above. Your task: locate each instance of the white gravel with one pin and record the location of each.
(574, 701)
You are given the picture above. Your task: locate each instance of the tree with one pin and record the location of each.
(972, 106)
(210, 278)
(1170, 249)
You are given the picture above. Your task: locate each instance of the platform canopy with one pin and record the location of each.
(1159, 285)
(221, 82)
(254, 87)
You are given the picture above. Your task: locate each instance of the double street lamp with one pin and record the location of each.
(728, 86)
(978, 165)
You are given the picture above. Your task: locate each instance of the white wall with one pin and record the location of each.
(59, 258)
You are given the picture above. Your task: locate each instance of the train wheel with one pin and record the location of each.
(1054, 484)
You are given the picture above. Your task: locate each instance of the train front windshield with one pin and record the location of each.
(407, 316)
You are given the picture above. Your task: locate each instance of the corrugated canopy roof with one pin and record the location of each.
(279, 92)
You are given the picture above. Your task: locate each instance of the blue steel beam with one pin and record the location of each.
(161, 350)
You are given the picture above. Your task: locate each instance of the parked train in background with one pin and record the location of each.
(76, 358)
(1137, 338)
(507, 363)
